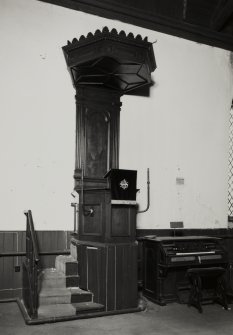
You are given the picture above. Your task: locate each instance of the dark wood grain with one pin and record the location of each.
(164, 16)
(108, 223)
(110, 272)
(97, 135)
(165, 281)
(126, 277)
(111, 278)
(223, 15)
(97, 144)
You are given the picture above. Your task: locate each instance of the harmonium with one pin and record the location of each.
(166, 260)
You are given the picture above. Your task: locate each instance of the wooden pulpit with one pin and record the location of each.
(104, 66)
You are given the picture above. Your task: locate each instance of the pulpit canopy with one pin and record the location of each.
(111, 60)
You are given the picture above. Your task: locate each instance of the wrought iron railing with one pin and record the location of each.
(31, 269)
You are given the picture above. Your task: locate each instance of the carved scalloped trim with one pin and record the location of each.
(107, 33)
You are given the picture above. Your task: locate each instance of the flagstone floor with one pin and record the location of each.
(173, 319)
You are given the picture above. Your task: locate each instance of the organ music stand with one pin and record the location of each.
(176, 225)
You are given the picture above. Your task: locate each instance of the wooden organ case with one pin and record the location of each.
(167, 259)
(103, 67)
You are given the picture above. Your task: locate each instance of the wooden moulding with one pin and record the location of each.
(110, 59)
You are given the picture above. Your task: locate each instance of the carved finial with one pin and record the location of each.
(114, 31)
(105, 30)
(139, 37)
(89, 35)
(145, 39)
(82, 37)
(97, 32)
(122, 33)
(68, 42)
(130, 35)
(74, 40)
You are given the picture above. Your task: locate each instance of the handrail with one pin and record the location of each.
(42, 253)
(33, 236)
(31, 269)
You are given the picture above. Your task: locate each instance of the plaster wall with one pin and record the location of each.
(180, 131)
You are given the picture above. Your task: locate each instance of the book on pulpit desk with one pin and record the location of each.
(122, 184)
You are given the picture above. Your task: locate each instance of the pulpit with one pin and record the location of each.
(109, 214)
(104, 66)
(106, 247)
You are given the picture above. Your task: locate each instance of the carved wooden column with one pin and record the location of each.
(97, 135)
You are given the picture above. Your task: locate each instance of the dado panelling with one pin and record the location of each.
(13, 242)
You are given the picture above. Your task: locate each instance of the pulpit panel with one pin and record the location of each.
(97, 136)
(97, 144)
(122, 221)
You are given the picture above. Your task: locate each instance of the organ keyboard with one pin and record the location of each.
(166, 260)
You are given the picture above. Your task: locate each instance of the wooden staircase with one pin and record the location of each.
(59, 292)
(51, 295)
(54, 294)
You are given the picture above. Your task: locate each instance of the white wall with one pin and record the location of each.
(180, 131)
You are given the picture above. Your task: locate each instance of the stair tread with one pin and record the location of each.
(51, 292)
(77, 290)
(62, 291)
(87, 306)
(66, 264)
(56, 310)
(54, 274)
(66, 259)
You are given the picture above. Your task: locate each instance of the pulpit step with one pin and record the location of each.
(67, 265)
(61, 310)
(56, 310)
(51, 278)
(88, 307)
(49, 296)
(78, 295)
(54, 296)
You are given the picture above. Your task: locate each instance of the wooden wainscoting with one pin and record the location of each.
(51, 241)
(14, 242)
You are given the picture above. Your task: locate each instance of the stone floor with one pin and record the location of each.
(172, 319)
